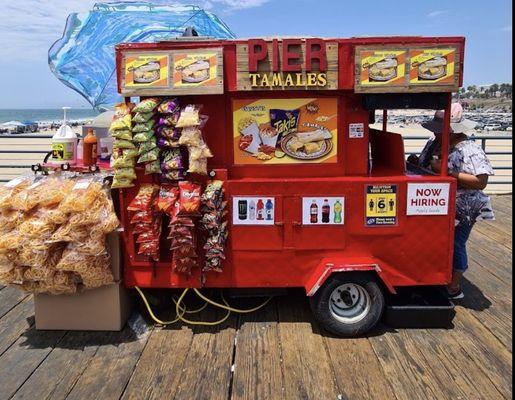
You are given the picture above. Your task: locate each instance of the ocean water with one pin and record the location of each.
(46, 115)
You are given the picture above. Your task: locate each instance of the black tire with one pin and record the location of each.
(326, 309)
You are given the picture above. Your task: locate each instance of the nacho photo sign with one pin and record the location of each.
(285, 131)
(432, 66)
(383, 67)
(143, 71)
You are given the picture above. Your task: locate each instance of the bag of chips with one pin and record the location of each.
(142, 117)
(121, 123)
(125, 173)
(146, 106)
(191, 136)
(124, 134)
(121, 183)
(174, 175)
(189, 198)
(145, 147)
(122, 109)
(144, 137)
(152, 167)
(168, 106)
(169, 120)
(284, 121)
(149, 156)
(190, 116)
(167, 143)
(144, 199)
(167, 198)
(144, 126)
(169, 132)
(123, 144)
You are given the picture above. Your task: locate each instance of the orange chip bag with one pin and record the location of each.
(189, 197)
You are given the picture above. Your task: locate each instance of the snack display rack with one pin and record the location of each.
(315, 197)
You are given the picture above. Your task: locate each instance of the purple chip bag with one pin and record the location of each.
(171, 160)
(284, 121)
(168, 106)
(167, 143)
(169, 132)
(169, 120)
(176, 175)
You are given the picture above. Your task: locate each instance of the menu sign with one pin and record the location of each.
(394, 69)
(382, 67)
(194, 69)
(285, 131)
(432, 66)
(172, 72)
(146, 71)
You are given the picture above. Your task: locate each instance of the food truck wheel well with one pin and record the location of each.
(349, 304)
(327, 268)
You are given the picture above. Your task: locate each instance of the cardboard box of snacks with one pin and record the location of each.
(103, 309)
(114, 249)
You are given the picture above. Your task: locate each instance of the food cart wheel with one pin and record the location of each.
(348, 304)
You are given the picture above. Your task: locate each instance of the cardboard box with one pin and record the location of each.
(103, 309)
(114, 250)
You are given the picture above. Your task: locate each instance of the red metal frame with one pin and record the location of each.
(416, 251)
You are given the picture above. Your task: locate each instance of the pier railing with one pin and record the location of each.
(19, 152)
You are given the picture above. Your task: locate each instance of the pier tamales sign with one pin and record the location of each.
(287, 64)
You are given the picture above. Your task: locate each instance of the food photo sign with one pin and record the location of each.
(432, 66)
(147, 71)
(285, 131)
(172, 72)
(385, 67)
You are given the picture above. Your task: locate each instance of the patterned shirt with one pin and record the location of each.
(468, 157)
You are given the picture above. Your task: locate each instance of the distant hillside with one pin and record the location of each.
(496, 97)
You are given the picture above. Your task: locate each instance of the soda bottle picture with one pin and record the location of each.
(326, 211)
(269, 210)
(337, 212)
(242, 209)
(313, 212)
(252, 210)
(260, 210)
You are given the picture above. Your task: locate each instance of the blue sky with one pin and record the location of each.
(29, 27)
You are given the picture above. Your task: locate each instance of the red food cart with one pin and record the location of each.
(317, 199)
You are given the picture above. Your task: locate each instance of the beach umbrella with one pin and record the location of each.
(83, 58)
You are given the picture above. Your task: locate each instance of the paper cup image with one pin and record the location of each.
(268, 135)
(249, 130)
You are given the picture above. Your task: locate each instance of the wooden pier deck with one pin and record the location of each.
(278, 352)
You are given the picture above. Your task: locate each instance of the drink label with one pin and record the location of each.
(323, 210)
(253, 210)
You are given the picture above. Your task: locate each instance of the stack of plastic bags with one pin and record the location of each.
(191, 137)
(214, 224)
(146, 221)
(124, 155)
(143, 118)
(53, 232)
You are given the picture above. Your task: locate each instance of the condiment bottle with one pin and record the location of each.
(89, 156)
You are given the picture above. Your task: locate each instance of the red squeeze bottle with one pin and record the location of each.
(89, 149)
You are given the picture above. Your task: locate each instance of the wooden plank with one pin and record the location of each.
(257, 364)
(489, 355)
(20, 361)
(493, 232)
(408, 371)
(9, 298)
(455, 367)
(112, 365)
(158, 373)
(358, 372)
(209, 360)
(15, 322)
(308, 373)
(56, 375)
